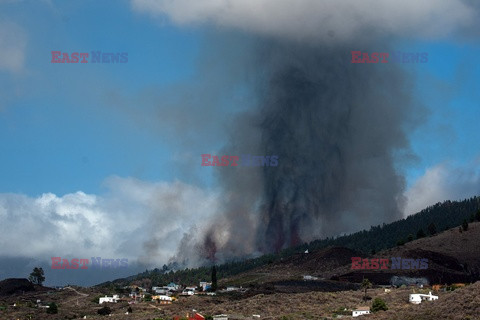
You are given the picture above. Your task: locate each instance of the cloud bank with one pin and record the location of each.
(443, 182)
(117, 224)
(331, 21)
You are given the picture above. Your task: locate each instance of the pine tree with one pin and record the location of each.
(465, 225)
(421, 234)
(214, 278)
(432, 229)
(477, 216)
(365, 285)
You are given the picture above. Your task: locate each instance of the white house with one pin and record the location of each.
(307, 277)
(188, 292)
(163, 291)
(162, 298)
(360, 311)
(108, 299)
(417, 298)
(220, 317)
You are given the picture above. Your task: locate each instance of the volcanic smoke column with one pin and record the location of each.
(335, 126)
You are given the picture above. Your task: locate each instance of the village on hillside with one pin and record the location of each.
(197, 302)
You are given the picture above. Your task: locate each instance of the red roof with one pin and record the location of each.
(197, 316)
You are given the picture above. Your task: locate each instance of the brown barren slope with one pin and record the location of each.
(453, 256)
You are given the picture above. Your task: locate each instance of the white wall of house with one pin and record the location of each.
(417, 298)
(108, 299)
(356, 313)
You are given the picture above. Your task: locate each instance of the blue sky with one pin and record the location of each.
(102, 140)
(448, 86)
(60, 134)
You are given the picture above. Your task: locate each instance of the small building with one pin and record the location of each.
(187, 292)
(220, 317)
(233, 288)
(360, 311)
(136, 295)
(195, 316)
(308, 278)
(162, 297)
(172, 286)
(160, 290)
(205, 285)
(417, 298)
(113, 299)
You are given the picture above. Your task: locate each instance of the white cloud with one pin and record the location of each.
(317, 19)
(13, 43)
(443, 182)
(117, 224)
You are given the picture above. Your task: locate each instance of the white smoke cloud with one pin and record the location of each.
(114, 225)
(443, 182)
(320, 19)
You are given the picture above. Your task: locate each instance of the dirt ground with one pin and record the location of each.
(74, 303)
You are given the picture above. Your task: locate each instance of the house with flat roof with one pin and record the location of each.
(417, 298)
(360, 311)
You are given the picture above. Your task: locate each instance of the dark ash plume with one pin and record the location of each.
(336, 127)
